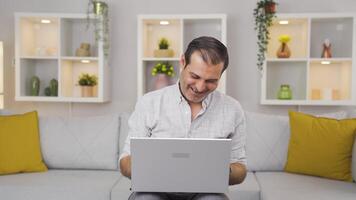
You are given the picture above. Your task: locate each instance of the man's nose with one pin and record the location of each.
(200, 86)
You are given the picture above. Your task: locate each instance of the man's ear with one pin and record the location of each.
(182, 62)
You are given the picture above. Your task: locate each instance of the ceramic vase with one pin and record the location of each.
(161, 80)
(283, 51)
(87, 91)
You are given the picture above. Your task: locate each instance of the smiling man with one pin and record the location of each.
(192, 108)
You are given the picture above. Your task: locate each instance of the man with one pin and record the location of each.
(192, 109)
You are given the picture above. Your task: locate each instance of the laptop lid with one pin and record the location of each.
(180, 165)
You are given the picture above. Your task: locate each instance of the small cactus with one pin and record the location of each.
(53, 85)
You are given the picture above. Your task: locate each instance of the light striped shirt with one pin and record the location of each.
(165, 113)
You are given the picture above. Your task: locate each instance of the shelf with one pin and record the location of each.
(291, 73)
(160, 59)
(180, 31)
(70, 72)
(80, 58)
(330, 81)
(314, 80)
(48, 50)
(308, 102)
(77, 31)
(337, 30)
(297, 29)
(44, 69)
(286, 59)
(153, 31)
(150, 80)
(37, 38)
(194, 28)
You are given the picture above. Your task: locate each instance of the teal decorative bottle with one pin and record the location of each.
(53, 85)
(285, 93)
(35, 86)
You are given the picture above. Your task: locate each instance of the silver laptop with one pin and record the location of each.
(180, 165)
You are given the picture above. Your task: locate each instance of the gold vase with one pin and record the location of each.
(283, 51)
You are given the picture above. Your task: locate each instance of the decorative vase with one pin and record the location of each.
(283, 51)
(53, 86)
(35, 86)
(326, 49)
(47, 91)
(285, 93)
(87, 91)
(163, 53)
(161, 80)
(270, 7)
(99, 7)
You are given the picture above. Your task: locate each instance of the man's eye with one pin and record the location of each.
(195, 77)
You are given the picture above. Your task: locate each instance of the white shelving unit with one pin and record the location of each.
(45, 45)
(313, 80)
(179, 32)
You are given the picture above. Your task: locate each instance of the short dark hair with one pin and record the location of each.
(211, 50)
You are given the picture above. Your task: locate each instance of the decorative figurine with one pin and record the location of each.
(326, 49)
(35, 86)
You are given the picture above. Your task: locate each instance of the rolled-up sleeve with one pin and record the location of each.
(238, 150)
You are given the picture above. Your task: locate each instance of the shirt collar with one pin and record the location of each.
(180, 98)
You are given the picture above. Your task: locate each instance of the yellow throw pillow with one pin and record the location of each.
(320, 146)
(20, 149)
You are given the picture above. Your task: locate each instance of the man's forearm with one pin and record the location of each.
(237, 174)
(125, 166)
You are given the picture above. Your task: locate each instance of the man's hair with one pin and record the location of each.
(211, 50)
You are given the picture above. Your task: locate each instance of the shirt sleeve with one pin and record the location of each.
(137, 126)
(238, 151)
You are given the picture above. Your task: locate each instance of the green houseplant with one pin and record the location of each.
(163, 49)
(163, 71)
(87, 83)
(264, 14)
(100, 9)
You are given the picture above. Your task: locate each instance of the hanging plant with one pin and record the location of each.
(264, 14)
(100, 10)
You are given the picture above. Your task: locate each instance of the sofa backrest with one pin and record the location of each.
(80, 142)
(268, 139)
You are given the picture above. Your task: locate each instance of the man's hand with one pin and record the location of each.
(237, 173)
(125, 166)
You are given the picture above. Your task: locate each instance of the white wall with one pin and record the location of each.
(243, 80)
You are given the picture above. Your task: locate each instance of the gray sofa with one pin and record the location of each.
(75, 170)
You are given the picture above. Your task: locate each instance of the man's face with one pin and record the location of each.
(199, 78)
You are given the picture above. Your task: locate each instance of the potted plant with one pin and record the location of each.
(163, 72)
(264, 14)
(163, 49)
(87, 83)
(100, 9)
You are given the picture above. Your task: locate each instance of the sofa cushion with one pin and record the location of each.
(266, 142)
(20, 149)
(268, 138)
(80, 143)
(320, 146)
(247, 190)
(59, 185)
(282, 186)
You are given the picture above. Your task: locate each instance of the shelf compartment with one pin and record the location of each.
(297, 29)
(77, 31)
(194, 28)
(45, 69)
(37, 38)
(330, 81)
(71, 69)
(338, 30)
(284, 72)
(153, 31)
(150, 80)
